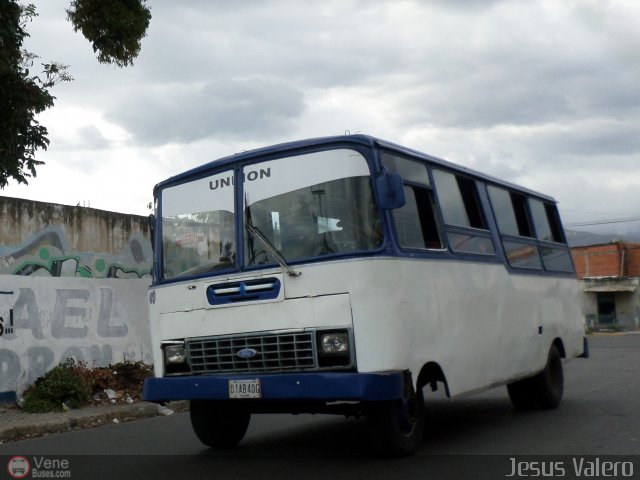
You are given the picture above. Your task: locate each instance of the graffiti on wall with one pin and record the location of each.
(46, 253)
(44, 321)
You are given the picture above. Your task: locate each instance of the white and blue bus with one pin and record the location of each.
(346, 274)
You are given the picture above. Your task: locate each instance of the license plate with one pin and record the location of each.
(245, 388)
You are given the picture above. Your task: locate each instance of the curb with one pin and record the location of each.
(16, 425)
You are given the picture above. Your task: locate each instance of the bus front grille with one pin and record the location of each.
(268, 352)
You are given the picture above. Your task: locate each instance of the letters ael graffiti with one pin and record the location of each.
(83, 324)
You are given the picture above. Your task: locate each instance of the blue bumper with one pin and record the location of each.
(293, 386)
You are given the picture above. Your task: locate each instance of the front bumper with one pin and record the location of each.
(325, 387)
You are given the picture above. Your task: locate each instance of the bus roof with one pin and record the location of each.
(335, 141)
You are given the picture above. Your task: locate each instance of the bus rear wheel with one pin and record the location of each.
(544, 390)
(218, 425)
(397, 426)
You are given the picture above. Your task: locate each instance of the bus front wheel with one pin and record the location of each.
(544, 390)
(218, 425)
(397, 426)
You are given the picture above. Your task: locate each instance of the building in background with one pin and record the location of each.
(609, 276)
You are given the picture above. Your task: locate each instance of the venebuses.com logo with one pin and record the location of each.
(38, 467)
(18, 467)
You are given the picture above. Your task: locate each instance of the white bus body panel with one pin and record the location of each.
(483, 325)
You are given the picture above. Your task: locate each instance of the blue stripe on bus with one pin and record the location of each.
(284, 386)
(387, 251)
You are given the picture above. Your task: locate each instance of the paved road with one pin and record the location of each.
(600, 416)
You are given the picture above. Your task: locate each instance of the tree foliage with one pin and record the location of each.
(114, 27)
(22, 95)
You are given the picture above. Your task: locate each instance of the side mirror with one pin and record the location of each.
(390, 191)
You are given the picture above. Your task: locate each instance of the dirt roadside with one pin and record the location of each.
(15, 424)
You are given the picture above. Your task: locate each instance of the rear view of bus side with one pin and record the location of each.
(350, 275)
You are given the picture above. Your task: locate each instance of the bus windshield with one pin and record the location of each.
(198, 226)
(298, 207)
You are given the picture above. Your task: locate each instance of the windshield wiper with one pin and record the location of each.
(255, 231)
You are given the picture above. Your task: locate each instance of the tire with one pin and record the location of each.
(544, 390)
(521, 394)
(551, 382)
(397, 426)
(219, 425)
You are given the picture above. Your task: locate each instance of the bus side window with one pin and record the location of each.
(415, 222)
(426, 213)
(557, 232)
(467, 230)
(514, 224)
(519, 202)
(547, 222)
(511, 212)
(549, 230)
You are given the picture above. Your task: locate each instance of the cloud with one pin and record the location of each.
(245, 108)
(541, 92)
(591, 141)
(90, 138)
(518, 63)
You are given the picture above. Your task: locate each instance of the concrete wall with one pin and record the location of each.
(73, 283)
(61, 241)
(47, 320)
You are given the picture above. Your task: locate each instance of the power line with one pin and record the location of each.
(592, 212)
(603, 222)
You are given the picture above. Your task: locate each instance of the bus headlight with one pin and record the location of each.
(335, 349)
(334, 343)
(175, 357)
(175, 354)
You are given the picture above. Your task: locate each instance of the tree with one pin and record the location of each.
(22, 96)
(114, 27)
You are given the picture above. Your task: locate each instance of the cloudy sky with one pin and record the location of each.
(545, 93)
